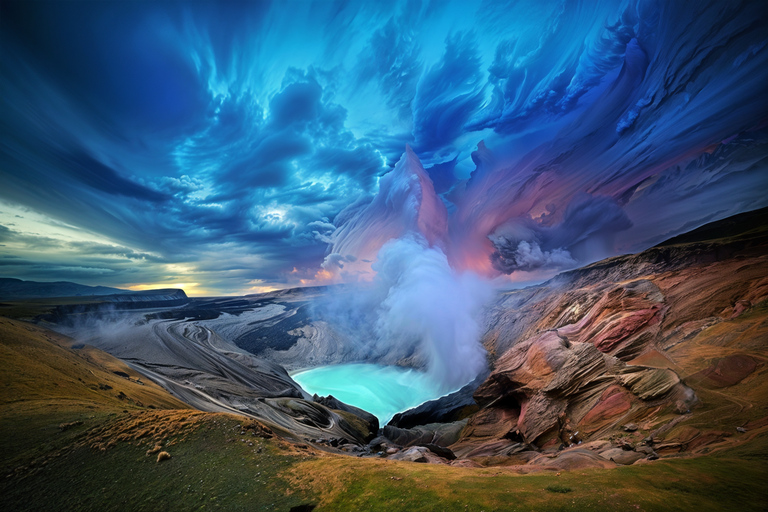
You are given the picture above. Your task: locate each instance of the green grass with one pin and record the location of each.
(44, 384)
(710, 483)
(213, 468)
(27, 309)
(558, 488)
(210, 469)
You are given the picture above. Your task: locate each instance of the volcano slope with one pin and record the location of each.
(601, 371)
(83, 431)
(659, 353)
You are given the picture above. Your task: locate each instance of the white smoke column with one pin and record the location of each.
(420, 309)
(433, 307)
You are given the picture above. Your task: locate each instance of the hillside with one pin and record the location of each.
(222, 461)
(17, 289)
(635, 383)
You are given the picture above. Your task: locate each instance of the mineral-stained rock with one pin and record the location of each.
(414, 454)
(540, 415)
(613, 402)
(441, 434)
(648, 383)
(623, 457)
(596, 446)
(492, 423)
(727, 371)
(563, 389)
(501, 447)
(559, 351)
(623, 321)
(573, 459)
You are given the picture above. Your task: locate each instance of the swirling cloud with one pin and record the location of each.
(266, 130)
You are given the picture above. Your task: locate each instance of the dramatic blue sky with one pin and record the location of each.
(213, 145)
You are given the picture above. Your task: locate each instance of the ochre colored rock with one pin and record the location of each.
(648, 383)
(562, 388)
(612, 404)
(727, 371)
(623, 457)
(573, 459)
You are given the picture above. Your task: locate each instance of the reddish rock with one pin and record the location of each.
(560, 350)
(573, 459)
(554, 383)
(492, 423)
(728, 371)
(624, 325)
(501, 447)
(606, 410)
(740, 307)
(621, 456)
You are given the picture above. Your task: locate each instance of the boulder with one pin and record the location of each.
(623, 457)
(573, 459)
(333, 403)
(447, 409)
(413, 454)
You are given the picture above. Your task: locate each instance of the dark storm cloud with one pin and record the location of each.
(111, 57)
(170, 133)
(585, 232)
(243, 178)
(448, 95)
(392, 58)
(91, 173)
(298, 102)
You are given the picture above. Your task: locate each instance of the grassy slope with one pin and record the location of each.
(102, 464)
(701, 484)
(27, 309)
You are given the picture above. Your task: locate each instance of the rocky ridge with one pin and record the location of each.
(615, 363)
(626, 360)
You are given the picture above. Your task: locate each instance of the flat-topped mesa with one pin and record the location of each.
(163, 298)
(162, 295)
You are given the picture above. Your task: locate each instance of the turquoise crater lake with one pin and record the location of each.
(381, 390)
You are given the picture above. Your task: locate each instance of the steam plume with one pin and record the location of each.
(422, 311)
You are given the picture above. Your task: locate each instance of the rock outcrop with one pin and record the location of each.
(631, 340)
(623, 361)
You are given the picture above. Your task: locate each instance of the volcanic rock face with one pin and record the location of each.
(562, 391)
(630, 358)
(630, 340)
(207, 371)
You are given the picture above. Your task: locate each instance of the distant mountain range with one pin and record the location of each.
(17, 289)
